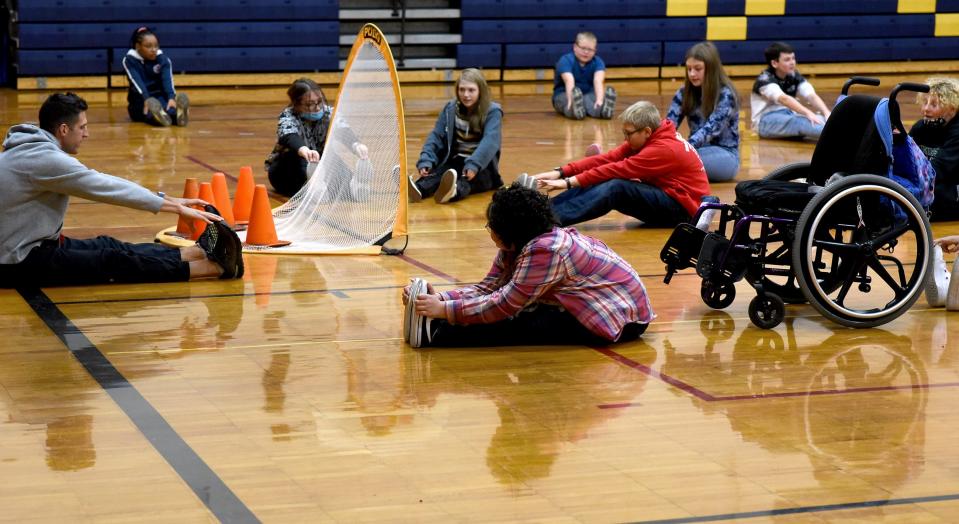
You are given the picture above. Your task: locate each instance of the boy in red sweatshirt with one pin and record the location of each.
(654, 176)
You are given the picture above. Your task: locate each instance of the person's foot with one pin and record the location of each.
(414, 193)
(447, 189)
(609, 104)
(579, 107)
(937, 281)
(952, 297)
(222, 246)
(593, 150)
(526, 181)
(418, 330)
(417, 286)
(182, 109)
(158, 112)
(706, 218)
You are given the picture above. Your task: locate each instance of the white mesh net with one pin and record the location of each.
(351, 202)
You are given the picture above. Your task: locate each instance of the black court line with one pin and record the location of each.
(805, 509)
(204, 482)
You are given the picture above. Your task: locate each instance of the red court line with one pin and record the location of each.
(195, 160)
(427, 267)
(698, 393)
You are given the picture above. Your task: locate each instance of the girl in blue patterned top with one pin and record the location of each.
(708, 100)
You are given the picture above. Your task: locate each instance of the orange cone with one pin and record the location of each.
(262, 231)
(190, 190)
(206, 193)
(243, 199)
(222, 196)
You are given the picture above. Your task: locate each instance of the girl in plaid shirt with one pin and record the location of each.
(548, 285)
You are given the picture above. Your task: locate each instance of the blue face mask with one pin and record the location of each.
(317, 115)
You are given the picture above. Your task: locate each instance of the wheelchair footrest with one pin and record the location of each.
(682, 248)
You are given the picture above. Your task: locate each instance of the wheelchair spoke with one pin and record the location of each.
(876, 265)
(848, 280)
(892, 234)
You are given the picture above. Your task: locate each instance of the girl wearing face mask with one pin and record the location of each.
(461, 155)
(301, 135)
(937, 133)
(708, 101)
(151, 97)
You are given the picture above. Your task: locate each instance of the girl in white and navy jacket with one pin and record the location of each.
(151, 97)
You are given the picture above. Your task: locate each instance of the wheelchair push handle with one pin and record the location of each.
(894, 105)
(863, 80)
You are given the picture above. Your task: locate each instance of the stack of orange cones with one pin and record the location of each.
(184, 229)
(206, 193)
(262, 230)
(221, 196)
(243, 200)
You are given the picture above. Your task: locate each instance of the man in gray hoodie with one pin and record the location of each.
(38, 175)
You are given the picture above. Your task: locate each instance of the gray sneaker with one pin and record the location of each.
(158, 112)
(937, 280)
(609, 104)
(952, 297)
(579, 107)
(182, 109)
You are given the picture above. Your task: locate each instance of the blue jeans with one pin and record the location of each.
(721, 164)
(647, 203)
(783, 123)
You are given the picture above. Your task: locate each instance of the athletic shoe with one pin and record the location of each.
(937, 280)
(158, 112)
(524, 180)
(416, 285)
(706, 218)
(222, 246)
(182, 109)
(952, 298)
(593, 150)
(414, 193)
(609, 104)
(447, 189)
(579, 107)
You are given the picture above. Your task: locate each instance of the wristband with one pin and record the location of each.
(569, 184)
(161, 194)
(560, 169)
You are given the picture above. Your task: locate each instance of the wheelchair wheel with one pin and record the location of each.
(716, 295)
(861, 250)
(767, 311)
(789, 172)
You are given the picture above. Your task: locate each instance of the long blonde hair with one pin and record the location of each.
(476, 117)
(713, 81)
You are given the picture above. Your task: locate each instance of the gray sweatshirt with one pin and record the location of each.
(36, 180)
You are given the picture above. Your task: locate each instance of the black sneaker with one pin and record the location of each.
(158, 112)
(222, 246)
(182, 109)
(579, 105)
(609, 104)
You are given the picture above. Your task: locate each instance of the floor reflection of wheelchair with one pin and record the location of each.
(839, 232)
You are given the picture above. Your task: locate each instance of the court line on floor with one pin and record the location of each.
(708, 397)
(192, 469)
(805, 509)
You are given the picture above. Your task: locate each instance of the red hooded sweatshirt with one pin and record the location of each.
(665, 161)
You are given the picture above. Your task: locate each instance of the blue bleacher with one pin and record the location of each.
(479, 55)
(614, 54)
(726, 7)
(175, 10)
(803, 27)
(583, 9)
(228, 59)
(556, 31)
(829, 7)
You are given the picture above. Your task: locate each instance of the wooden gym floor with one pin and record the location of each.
(289, 396)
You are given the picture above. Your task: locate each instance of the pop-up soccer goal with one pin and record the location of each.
(352, 204)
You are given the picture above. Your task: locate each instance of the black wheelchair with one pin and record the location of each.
(838, 232)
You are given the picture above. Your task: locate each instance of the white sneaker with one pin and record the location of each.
(707, 216)
(952, 297)
(413, 192)
(937, 280)
(447, 189)
(408, 312)
(524, 180)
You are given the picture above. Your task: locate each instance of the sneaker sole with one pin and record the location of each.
(931, 290)
(413, 193)
(952, 297)
(416, 321)
(609, 104)
(156, 111)
(447, 189)
(182, 110)
(408, 310)
(579, 109)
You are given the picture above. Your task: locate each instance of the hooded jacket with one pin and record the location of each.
(38, 178)
(438, 148)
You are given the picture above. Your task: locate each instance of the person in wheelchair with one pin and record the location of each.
(937, 133)
(654, 176)
(775, 99)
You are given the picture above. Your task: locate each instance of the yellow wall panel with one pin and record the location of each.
(726, 28)
(947, 24)
(686, 7)
(765, 7)
(917, 6)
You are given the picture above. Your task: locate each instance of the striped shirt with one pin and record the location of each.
(564, 268)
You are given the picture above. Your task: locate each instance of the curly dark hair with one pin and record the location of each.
(517, 215)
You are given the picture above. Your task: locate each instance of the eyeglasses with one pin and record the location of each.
(313, 106)
(587, 49)
(627, 134)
